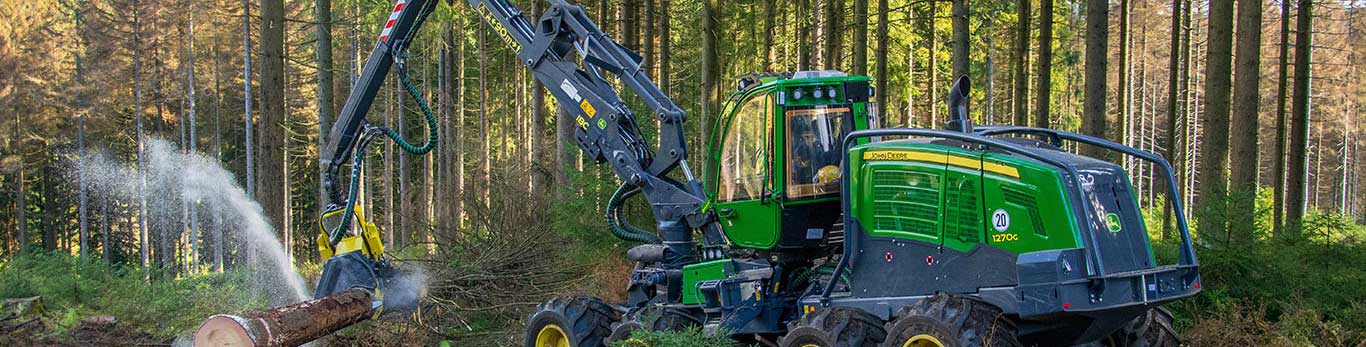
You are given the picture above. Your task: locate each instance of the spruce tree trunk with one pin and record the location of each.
(1097, 42)
(960, 39)
(1278, 168)
(711, 73)
(860, 37)
(804, 29)
(1021, 64)
(1296, 165)
(1211, 207)
(270, 191)
(322, 16)
(1173, 114)
(881, 58)
(1044, 91)
(538, 169)
(1244, 123)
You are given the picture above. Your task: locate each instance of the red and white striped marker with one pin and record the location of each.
(393, 18)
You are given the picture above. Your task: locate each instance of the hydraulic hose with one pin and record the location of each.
(342, 228)
(620, 227)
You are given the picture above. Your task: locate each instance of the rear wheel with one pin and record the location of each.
(653, 318)
(570, 322)
(951, 321)
(835, 327)
(1153, 329)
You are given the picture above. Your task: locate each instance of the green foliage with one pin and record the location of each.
(686, 338)
(72, 289)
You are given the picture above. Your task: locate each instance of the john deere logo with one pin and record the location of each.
(1112, 222)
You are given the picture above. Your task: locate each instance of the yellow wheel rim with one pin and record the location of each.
(810, 345)
(922, 340)
(552, 336)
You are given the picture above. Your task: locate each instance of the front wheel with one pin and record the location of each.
(951, 321)
(1153, 329)
(570, 322)
(835, 327)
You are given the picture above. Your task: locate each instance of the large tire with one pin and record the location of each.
(653, 318)
(951, 321)
(580, 321)
(1153, 329)
(835, 327)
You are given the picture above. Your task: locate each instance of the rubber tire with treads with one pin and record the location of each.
(653, 318)
(834, 327)
(586, 321)
(953, 321)
(1153, 329)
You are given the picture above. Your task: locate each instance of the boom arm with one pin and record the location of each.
(572, 57)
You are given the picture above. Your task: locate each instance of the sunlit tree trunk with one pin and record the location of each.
(322, 31)
(270, 192)
(1244, 123)
(1211, 205)
(1282, 94)
(1297, 166)
(1097, 42)
(1044, 91)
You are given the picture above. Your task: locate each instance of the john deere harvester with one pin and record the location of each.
(810, 225)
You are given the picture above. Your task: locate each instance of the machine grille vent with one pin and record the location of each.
(906, 201)
(962, 210)
(1026, 201)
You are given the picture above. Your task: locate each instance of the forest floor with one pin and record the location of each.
(1277, 292)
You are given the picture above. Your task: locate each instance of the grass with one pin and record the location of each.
(72, 289)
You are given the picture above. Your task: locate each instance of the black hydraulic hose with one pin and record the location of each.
(620, 227)
(337, 234)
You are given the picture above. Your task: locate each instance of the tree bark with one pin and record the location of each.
(711, 73)
(1044, 91)
(831, 52)
(322, 16)
(803, 35)
(1282, 94)
(1021, 64)
(881, 57)
(1173, 92)
(860, 37)
(931, 18)
(1211, 207)
(270, 190)
(291, 325)
(1097, 42)
(960, 38)
(1244, 123)
(538, 169)
(1297, 167)
(1123, 98)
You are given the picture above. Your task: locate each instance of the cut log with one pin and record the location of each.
(291, 325)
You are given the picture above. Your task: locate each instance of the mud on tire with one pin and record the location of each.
(951, 321)
(835, 327)
(653, 318)
(584, 321)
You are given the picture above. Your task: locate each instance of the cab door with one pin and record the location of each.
(743, 183)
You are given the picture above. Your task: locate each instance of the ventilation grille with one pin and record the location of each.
(906, 201)
(1026, 201)
(962, 210)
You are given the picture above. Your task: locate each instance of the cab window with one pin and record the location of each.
(745, 152)
(813, 137)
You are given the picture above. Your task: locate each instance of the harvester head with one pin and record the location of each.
(357, 261)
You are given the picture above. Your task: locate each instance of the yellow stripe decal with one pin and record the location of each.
(942, 158)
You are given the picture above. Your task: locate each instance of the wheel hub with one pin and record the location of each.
(922, 340)
(552, 336)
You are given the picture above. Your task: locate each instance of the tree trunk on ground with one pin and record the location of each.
(1021, 64)
(1244, 124)
(1296, 165)
(1211, 207)
(270, 190)
(1097, 42)
(1282, 94)
(1044, 91)
(291, 325)
(1173, 91)
(960, 39)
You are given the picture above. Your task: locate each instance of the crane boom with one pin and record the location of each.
(573, 59)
